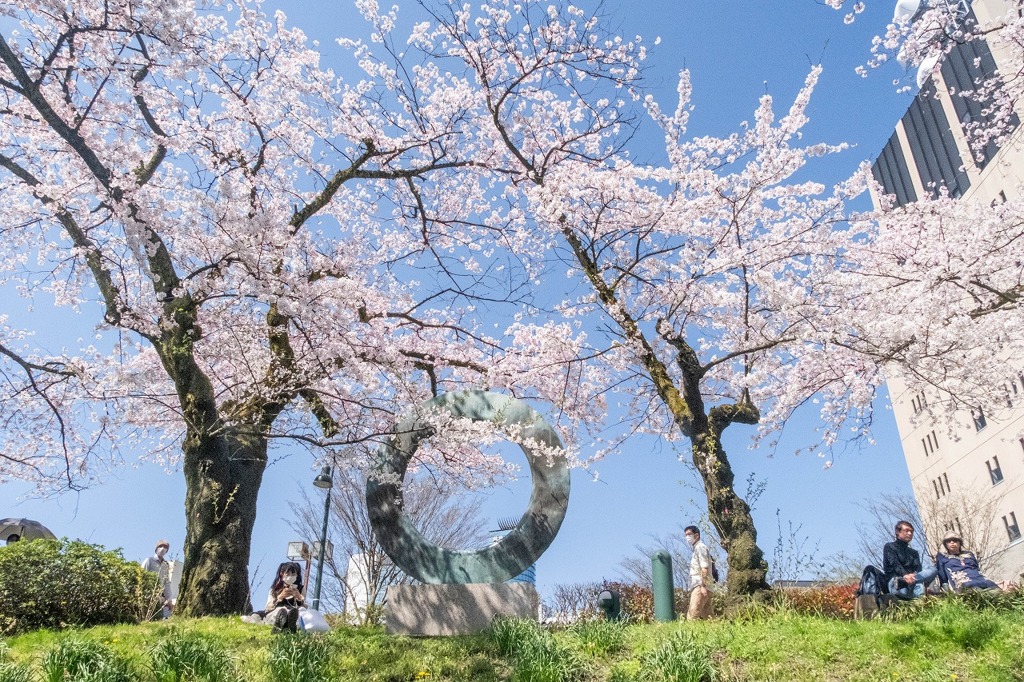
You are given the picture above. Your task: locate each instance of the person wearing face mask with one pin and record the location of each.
(285, 598)
(700, 576)
(157, 564)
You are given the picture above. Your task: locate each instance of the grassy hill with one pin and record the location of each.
(952, 639)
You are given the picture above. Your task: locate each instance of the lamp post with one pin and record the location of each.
(326, 481)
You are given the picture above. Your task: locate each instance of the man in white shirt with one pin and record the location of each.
(157, 564)
(700, 576)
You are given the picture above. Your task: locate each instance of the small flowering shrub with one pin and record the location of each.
(66, 583)
(831, 601)
(638, 601)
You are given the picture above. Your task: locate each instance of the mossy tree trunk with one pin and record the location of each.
(681, 395)
(223, 474)
(225, 454)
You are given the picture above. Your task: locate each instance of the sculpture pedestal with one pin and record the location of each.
(439, 610)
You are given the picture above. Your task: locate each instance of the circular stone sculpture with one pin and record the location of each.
(507, 558)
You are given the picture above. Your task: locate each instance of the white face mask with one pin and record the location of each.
(288, 579)
(691, 540)
(160, 551)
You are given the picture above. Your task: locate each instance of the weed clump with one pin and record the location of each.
(191, 657)
(536, 655)
(681, 658)
(82, 659)
(298, 658)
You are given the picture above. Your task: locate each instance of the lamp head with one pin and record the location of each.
(324, 480)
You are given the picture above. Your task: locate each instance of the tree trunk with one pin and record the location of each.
(223, 473)
(730, 514)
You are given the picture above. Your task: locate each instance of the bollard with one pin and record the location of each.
(664, 594)
(610, 604)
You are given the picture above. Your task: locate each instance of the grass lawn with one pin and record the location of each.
(945, 640)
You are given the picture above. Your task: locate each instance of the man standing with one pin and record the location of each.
(901, 564)
(700, 576)
(157, 564)
(959, 568)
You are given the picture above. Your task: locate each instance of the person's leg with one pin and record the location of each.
(700, 605)
(901, 590)
(926, 576)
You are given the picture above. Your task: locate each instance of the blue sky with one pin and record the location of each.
(737, 50)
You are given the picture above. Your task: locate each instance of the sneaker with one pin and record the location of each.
(280, 620)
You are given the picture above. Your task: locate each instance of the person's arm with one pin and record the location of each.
(941, 561)
(891, 563)
(917, 566)
(704, 559)
(271, 601)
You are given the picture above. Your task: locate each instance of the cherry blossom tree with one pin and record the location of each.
(248, 247)
(934, 288)
(245, 247)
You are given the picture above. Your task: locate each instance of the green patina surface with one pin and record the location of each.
(512, 554)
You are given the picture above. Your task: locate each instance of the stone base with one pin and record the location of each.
(438, 610)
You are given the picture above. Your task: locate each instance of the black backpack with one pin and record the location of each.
(872, 581)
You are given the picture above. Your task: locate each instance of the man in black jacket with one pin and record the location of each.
(902, 565)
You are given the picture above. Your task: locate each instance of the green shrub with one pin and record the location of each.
(300, 658)
(681, 658)
(60, 583)
(84, 661)
(191, 657)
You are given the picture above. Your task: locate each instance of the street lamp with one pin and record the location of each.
(326, 481)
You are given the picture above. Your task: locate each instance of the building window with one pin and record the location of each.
(946, 479)
(890, 171)
(933, 146)
(941, 485)
(978, 415)
(918, 403)
(964, 69)
(994, 472)
(1012, 529)
(935, 484)
(930, 443)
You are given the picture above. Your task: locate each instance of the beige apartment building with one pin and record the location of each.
(968, 478)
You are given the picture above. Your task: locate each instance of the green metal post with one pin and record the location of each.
(664, 594)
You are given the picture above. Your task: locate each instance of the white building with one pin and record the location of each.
(970, 478)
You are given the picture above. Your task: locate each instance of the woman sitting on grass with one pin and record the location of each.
(284, 600)
(959, 568)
